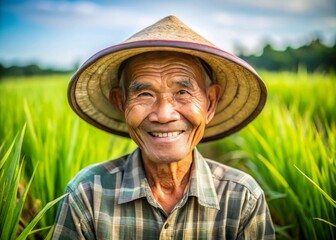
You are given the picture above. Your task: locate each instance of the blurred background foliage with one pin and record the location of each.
(313, 56)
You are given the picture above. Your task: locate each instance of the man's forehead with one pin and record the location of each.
(162, 58)
(169, 65)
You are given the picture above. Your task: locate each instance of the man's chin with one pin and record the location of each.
(167, 156)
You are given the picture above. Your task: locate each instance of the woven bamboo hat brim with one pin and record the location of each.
(243, 91)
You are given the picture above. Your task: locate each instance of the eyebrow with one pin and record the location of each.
(185, 83)
(136, 86)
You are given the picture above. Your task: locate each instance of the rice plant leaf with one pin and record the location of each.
(49, 235)
(30, 123)
(282, 231)
(10, 177)
(8, 221)
(326, 195)
(2, 171)
(325, 221)
(273, 195)
(273, 170)
(283, 181)
(5, 157)
(20, 204)
(41, 229)
(32, 224)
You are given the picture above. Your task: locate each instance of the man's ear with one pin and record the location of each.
(116, 98)
(214, 94)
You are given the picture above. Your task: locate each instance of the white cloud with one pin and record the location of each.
(237, 21)
(330, 22)
(81, 14)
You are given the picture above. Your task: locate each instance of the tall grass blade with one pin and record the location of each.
(20, 204)
(326, 195)
(11, 169)
(6, 155)
(50, 233)
(32, 224)
(325, 221)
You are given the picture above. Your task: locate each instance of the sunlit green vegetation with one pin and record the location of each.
(290, 149)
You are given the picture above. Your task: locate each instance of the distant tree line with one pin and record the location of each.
(29, 70)
(314, 56)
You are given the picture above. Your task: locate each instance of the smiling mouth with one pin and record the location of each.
(165, 134)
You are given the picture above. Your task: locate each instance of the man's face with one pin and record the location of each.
(167, 105)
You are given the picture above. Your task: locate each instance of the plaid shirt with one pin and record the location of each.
(113, 200)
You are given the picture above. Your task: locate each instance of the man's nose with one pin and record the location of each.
(164, 110)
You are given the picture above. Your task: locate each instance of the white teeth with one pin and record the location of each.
(165, 134)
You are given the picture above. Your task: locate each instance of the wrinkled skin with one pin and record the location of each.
(166, 109)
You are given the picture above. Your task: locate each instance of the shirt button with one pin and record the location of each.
(166, 226)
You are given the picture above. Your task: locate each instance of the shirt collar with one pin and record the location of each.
(201, 182)
(134, 184)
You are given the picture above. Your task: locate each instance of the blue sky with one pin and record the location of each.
(63, 33)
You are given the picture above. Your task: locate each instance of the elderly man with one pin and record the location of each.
(168, 89)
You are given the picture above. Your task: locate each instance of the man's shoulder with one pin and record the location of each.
(223, 173)
(88, 173)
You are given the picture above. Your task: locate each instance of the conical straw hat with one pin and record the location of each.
(243, 97)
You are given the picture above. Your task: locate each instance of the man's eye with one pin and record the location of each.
(145, 94)
(182, 92)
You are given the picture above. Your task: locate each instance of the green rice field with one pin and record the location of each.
(290, 149)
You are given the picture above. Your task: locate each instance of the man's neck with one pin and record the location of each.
(168, 181)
